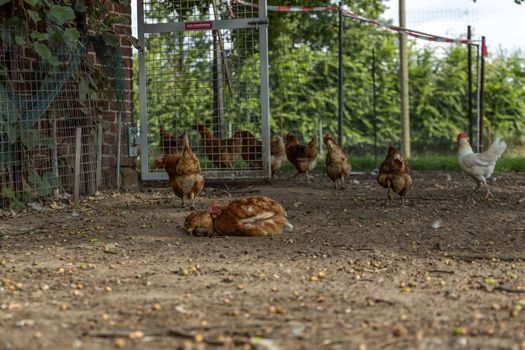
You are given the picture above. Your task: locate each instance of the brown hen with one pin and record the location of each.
(303, 157)
(168, 143)
(184, 173)
(394, 174)
(251, 150)
(278, 152)
(337, 164)
(222, 152)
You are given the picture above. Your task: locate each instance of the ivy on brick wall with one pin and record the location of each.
(39, 23)
(65, 35)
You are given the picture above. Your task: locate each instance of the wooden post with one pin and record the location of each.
(403, 56)
(478, 82)
(481, 91)
(229, 78)
(89, 161)
(54, 154)
(340, 77)
(489, 132)
(320, 137)
(99, 156)
(469, 88)
(374, 102)
(78, 152)
(218, 77)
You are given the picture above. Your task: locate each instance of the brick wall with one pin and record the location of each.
(110, 108)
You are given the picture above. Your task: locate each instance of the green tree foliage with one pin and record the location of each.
(438, 98)
(41, 24)
(505, 96)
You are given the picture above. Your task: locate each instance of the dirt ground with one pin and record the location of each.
(356, 273)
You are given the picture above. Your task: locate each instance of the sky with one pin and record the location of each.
(501, 21)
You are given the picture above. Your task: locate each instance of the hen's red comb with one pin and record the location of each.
(462, 136)
(212, 208)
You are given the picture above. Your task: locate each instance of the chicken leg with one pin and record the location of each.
(192, 197)
(483, 182)
(308, 177)
(476, 189)
(343, 186)
(299, 173)
(489, 192)
(389, 194)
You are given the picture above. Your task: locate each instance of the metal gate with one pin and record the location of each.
(204, 72)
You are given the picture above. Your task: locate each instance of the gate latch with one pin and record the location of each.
(133, 141)
(260, 22)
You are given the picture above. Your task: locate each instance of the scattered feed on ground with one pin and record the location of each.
(356, 273)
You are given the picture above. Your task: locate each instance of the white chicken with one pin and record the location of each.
(479, 166)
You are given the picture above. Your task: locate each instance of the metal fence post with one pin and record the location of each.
(340, 75)
(265, 98)
(470, 116)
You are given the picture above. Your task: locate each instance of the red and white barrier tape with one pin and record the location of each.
(230, 9)
(355, 16)
(411, 32)
(289, 8)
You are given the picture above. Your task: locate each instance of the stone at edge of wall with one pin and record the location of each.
(129, 179)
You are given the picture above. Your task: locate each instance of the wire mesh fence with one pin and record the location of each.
(304, 78)
(41, 107)
(192, 11)
(303, 72)
(203, 83)
(304, 84)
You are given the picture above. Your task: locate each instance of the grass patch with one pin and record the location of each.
(423, 163)
(450, 163)
(443, 163)
(507, 164)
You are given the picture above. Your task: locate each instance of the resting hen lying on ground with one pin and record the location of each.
(251, 150)
(222, 152)
(248, 216)
(394, 174)
(184, 173)
(479, 166)
(303, 157)
(337, 164)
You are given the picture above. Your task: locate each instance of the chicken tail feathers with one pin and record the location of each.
(288, 226)
(185, 142)
(495, 151)
(313, 143)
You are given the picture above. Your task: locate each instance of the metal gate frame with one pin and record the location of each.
(260, 23)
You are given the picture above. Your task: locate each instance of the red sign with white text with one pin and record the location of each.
(198, 25)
